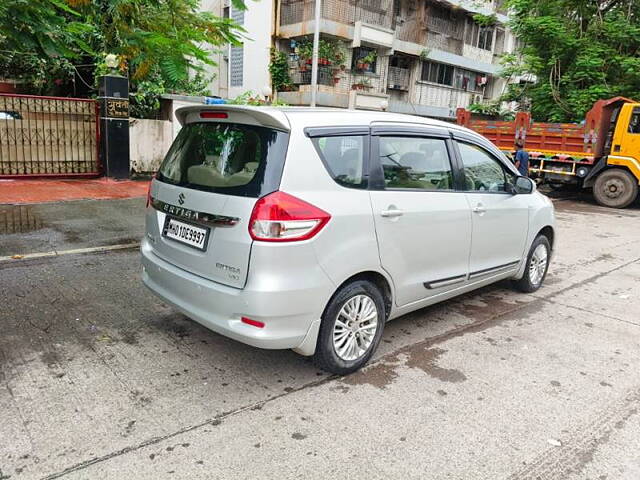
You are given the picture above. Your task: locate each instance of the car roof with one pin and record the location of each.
(284, 117)
(340, 116)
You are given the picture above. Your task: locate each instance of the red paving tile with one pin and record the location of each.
(48, 190)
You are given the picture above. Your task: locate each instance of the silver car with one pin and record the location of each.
(309, 229)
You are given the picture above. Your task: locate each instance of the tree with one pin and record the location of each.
(579, 50)
(159, 41)
(40, 38)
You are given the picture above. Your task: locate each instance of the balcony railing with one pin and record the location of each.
(342, 81)
(303, 76)
(443, 97)
(443, 42)
(372, 12)
(398, 78)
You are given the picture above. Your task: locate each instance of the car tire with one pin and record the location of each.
(535, 271)
(615, 188)
(345, 340)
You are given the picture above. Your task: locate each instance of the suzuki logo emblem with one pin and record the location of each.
(181, 198)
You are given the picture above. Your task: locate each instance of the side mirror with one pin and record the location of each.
(523, 185)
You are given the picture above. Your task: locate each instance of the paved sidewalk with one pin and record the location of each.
(50, 190)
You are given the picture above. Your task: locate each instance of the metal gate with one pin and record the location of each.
(48, 136)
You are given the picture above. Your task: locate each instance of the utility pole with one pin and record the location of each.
(314, 61)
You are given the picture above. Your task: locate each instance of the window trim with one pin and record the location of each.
(342, 131)
(634, 112)
(482, 142)
(315, 134)
(373, 66)
(376, 179)
(440, 66)
(462, 183)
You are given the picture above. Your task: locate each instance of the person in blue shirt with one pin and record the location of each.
(522, 159)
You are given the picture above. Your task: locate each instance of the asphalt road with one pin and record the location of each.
(99, 379)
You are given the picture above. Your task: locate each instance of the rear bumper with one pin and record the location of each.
(288, 315)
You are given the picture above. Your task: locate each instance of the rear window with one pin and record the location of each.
(226, 158)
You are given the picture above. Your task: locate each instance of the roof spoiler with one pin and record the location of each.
(261, 116)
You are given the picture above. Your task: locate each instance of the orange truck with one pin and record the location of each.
(602, 153)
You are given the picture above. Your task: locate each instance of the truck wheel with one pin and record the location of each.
(351, 328)
(615, 188)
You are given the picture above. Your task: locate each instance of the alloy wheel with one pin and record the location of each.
(355, 327)
(538, 264)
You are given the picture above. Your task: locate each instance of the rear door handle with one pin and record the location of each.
(392, 212)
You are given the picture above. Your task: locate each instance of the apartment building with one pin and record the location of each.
(422, 57)
(246, 67)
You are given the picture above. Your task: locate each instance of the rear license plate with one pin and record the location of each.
(186, 233)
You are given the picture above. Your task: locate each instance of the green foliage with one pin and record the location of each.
(145, 101)
(145, 97)
(279, 70)
(485, 20)
(252, 98)
(160, 41)
(164, 37)
(331, 50)
(44, 28)
(370, 57)
(493, 109)
(39, 39)
(579, 50)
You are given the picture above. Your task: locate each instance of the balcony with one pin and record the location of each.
(340, 81)
(444, 43)
(429, 26)
(371, 12)
(365, 22)
(302, 75)
(337, 86)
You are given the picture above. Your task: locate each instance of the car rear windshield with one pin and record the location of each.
(228, 158)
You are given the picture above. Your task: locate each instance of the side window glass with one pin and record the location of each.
(413, 162)
(634, 124)
(482, 172)
(344, 159)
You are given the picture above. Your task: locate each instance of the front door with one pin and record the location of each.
(423, 224)
(500, 220)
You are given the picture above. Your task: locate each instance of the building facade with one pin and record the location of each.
(246, 67)
(422, 57)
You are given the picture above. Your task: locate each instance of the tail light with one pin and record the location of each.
(280, 217)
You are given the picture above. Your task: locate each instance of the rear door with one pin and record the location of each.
(500, 220)
(423, 224)
(205, 190)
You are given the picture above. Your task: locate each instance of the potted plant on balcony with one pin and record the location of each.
(361, 84)
(304, 49)
(279, 71)
(326, 52)
(364, 62)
